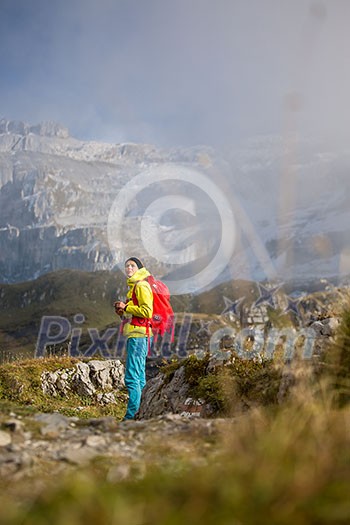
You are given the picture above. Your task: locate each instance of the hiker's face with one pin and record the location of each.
(130, 268)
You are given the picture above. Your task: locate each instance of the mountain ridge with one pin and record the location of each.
(67, 293)
(289, 203)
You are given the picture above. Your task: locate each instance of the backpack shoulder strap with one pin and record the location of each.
(133, 295)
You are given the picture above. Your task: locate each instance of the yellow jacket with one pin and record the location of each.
(144, 308)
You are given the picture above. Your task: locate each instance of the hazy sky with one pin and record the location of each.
(177, 72)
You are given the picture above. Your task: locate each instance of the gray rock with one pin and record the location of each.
(119, 473)
(5, 438)
(96, 366)
(52, 424)
(95, 441)
(80, 456)
(108, 374)
(161, 396)
(81, 382)
(325, 327)
(333, 323)
(14, 425)
(103, 424)
(106, 398)
(57, 383)
(85, 379)
(318, 326)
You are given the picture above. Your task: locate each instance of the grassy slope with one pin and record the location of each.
(68, 292)
(65, 292)
(62, 293)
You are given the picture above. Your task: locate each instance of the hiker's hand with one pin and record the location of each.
(119, 307)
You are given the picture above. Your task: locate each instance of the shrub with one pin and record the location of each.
(338, 360)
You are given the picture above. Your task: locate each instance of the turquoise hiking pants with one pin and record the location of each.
(135, 372)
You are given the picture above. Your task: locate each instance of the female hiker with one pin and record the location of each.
(137, 314)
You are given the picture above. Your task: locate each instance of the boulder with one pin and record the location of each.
(86, 379)
(161, 395)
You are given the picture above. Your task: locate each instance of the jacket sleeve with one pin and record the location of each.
(144, 297)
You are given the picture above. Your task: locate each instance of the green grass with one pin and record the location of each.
(62, 293)
(338, 359)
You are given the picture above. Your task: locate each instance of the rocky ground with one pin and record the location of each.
(33, 447)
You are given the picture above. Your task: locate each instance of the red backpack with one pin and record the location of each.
(162, 321)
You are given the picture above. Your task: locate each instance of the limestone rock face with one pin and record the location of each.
(56, 193)
(46, 129)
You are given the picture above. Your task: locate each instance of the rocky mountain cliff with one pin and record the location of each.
(56, 193)
(289, 204)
